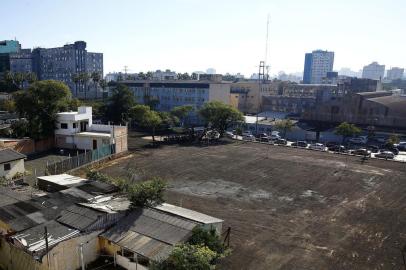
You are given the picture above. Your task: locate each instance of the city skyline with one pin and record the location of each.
(229, 36)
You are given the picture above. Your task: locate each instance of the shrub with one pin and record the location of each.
(148, 193)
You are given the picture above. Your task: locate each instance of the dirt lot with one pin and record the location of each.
(288, 208)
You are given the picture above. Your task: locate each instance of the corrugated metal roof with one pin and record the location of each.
(188, 214)
(96, 187)
(150, 232)
(33, 239)
(8, 155)
(63, 179)
(10, 195)
(79, 217)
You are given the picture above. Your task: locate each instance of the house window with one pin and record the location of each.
(74, 125)
(64, 126)
(7, 166)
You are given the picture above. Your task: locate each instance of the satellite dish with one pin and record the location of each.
(24, 242)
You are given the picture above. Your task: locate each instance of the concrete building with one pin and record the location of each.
(75, 130)
(317, 64)
(62, 63)
(164, 75)
(169, 94)
(395, 73)
(10, 46)
(373, 71)
(382, 109)
(11, 163)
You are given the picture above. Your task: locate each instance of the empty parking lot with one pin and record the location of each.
(288, 208)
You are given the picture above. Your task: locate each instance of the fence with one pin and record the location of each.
(80, 160)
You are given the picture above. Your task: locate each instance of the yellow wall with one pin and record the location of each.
(109, 248)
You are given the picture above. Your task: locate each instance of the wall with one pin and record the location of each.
(28, 146)
(17, 166)
(121, 137)
(219, 92)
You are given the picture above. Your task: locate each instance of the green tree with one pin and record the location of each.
(147, 193)
(393, 139)
(7, 105)
(96, 77)
(103, 85)
(208, 238)
(20, 129)
(84, 79)
(19, 79)
(347, 130)
(146, 117)
(120, 103)
(188, 257)
(220, 115)
(141, 76)
(182, 112)
(76, 80)
(31, 77)
(40, 105)
(284, 125)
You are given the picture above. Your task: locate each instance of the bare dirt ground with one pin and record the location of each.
(287, 208)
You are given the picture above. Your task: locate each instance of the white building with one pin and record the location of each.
(11, 163)
(373, 71)
(317, 64)
(395, 73)
(75, 130)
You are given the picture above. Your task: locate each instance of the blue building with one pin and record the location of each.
(307, 74)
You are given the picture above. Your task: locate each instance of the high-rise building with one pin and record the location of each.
(395, 73)
(317, 64)
(373, 71)
(9, 46)
(63, 63)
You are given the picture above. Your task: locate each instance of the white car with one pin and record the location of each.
(246, 133)
(359, 140)
(274, 137)
(249, 137)
(385, 155)
(317, 146)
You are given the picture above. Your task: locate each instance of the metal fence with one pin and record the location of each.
(80, 160)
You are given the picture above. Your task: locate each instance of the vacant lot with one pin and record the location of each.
(288, 208)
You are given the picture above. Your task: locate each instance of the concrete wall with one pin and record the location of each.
(28, 146)
(219, 92)
(17, 166)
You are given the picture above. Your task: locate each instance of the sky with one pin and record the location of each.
(228, 35)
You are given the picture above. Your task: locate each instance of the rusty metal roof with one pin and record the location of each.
(150, 232)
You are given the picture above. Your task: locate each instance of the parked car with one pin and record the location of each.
(359, 140)
(337, 148)
(373, 148)
(281, 142)
(331, 144)
(317, 146)
(402, 146)
(259, 135)
(362, 152)
(229, 134)
(380, 139)
(390, 147)
(249, 137)
(385, 155)
(274, 137)
(246, 133)
(300, 144)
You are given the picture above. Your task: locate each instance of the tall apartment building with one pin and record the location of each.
(317, 64)
(373, 71)
(62, 63)
(395, 73)
(10, 46)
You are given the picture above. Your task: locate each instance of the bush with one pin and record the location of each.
(208, 238)
(98, 176)
(148, 193)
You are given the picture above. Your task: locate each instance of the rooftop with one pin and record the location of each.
(94, 134)
(63, 179)
(187, 213)
(8, 155)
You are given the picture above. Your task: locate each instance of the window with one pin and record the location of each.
(64, 126)
(7, 167)
(74, 125)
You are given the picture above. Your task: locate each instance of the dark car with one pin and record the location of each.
(263, 138)
(362, 152)
(259, 135)
(390, 147)
(337, 148)
(300, 144)
(331, 144)
(373, 148)
(281, 142)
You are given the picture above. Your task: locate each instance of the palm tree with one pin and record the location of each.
(84, 78)
(96, 77)
(8, 77)
(18, 79)
(76, 80)
(31, 77)
(103, 85)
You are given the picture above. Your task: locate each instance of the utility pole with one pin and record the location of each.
(46, 243)
(261, 74)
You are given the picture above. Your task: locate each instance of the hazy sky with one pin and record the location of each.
(228, 35)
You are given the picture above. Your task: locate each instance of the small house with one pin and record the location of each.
(11, 163)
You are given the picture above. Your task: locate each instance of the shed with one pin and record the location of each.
(53, 183)
(11, 163)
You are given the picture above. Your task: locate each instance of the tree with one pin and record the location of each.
(393, 139)
(285, 126)
(182, 112)
(19, 79)
(208, 238)
(120, 103)
(84, 79)
(149, 75)
(76, 79)
(103, 85)
(347, 130)
(146, 118)
(220, 115)
(31, 77)
(147, 193)
(40, 105)
(20, 129)
(187, 257)
(142, 76)
(96, 77)
(7, 105)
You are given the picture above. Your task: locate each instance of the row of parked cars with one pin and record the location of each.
(385, 150)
